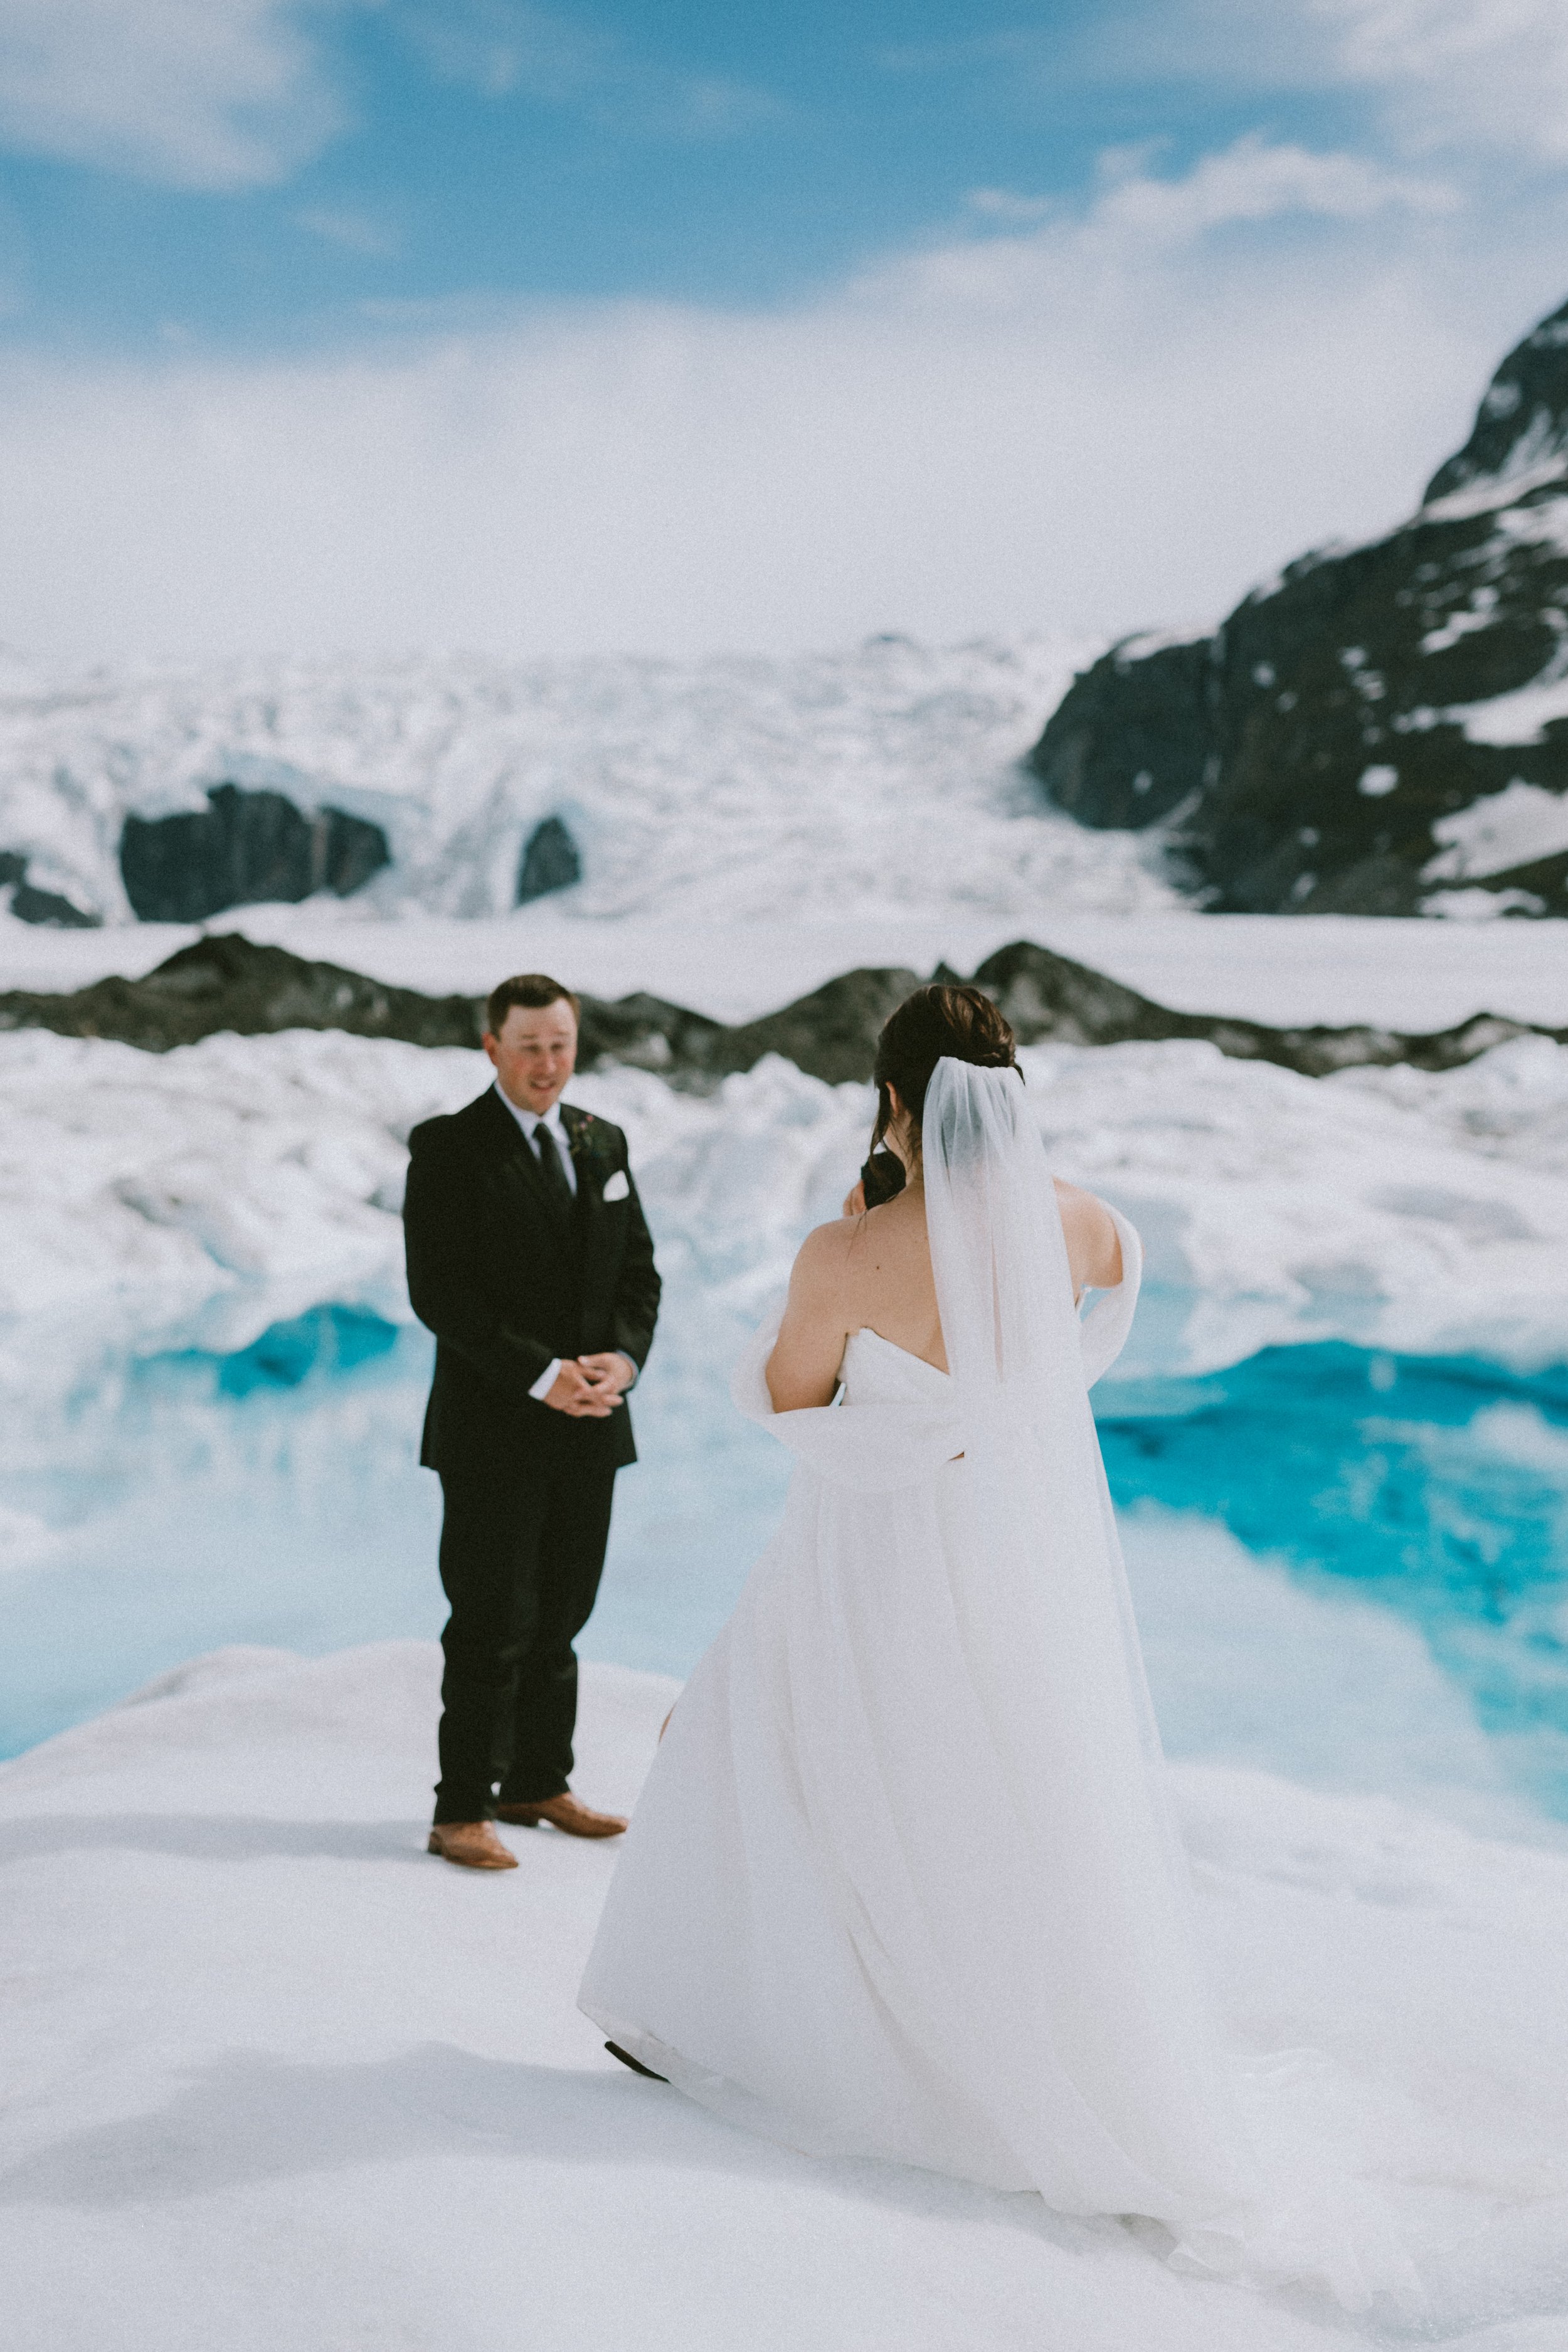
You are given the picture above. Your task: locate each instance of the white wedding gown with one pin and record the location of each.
(903, 1880)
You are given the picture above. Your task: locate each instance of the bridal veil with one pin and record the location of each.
(1117, 2099)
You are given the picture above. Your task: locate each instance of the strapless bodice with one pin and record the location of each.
(904, 1419)
(875, 1370)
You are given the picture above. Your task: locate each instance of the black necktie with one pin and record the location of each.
(550, 1160)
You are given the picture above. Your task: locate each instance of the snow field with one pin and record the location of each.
(162, 1215)
(281, 2081)
(1335, 969)
(194, 1197)
(862, 783)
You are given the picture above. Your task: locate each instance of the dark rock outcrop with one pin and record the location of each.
(1313, 744)
(832, 1034)
(227, 983)
(1132, 738)
(245, 848)
(1048, 998)
(230, 983)
(551, 861)
(31, 905)
(647, 1033)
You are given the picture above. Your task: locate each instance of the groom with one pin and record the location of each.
(529, 1259)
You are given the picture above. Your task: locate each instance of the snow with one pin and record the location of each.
(1521, 717)
(1513, 827)
(1145, 642)
(1336, 968)
(1522, 477)
(1423, 1217)
(281, 2082)
(198, 1196)
(1479, 906)
(867, 782)
(211, 1387)
(164, 1216)
(278, 2080)
(1479, 614)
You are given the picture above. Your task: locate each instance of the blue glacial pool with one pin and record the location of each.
(1348, 1566)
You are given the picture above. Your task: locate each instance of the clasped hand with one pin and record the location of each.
(589, 1387)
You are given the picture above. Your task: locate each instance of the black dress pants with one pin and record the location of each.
(521, 1553)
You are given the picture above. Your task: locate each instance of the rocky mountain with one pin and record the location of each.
(247, 848)
(243, 849)
(551, 861)
(227, 982)
(1381, 726)
(31, 905)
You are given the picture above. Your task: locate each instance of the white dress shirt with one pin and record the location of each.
(530, 1121)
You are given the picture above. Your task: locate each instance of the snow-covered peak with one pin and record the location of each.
(1522, 426)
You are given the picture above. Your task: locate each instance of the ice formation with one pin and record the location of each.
(203, 1194)
(872, 782)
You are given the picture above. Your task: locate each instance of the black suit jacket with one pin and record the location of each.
(507, 1277)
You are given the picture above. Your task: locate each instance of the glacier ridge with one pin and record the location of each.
(866, 782)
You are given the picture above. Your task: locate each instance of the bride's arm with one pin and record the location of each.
(1094, 1246)
(804, 1367)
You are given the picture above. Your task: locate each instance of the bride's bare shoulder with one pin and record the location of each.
(823, 1258)
(1094, 1246)
(834, 1260)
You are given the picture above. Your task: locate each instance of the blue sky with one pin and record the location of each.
(383, 323)
(438, 152)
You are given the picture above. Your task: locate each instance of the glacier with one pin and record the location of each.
(871, 782)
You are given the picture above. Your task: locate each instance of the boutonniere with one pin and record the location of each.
(577, 1139)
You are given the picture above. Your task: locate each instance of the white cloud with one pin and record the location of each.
(1101, 423)
(1138, 222)
(193, 93)
(1255, 180)
(1461, 73)
(1474, 78)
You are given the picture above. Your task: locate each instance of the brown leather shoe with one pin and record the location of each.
(474, 1844)
(566, 1814)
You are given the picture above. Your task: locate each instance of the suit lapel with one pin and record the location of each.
(587, 1212)
(577, 1124)
(522, 1161)
(590, 1211)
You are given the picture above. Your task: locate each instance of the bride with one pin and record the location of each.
(903, 1881)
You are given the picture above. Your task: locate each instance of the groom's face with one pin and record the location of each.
(535, 1054)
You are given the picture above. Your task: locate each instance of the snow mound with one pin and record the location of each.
(196, 1197)
(314, 2090)
(870, 783)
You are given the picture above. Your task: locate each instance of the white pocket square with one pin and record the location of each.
(619, 1186)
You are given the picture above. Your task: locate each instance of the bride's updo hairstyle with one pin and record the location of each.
(934, 1022)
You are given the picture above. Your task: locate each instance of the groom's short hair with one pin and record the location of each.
(532, 991)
